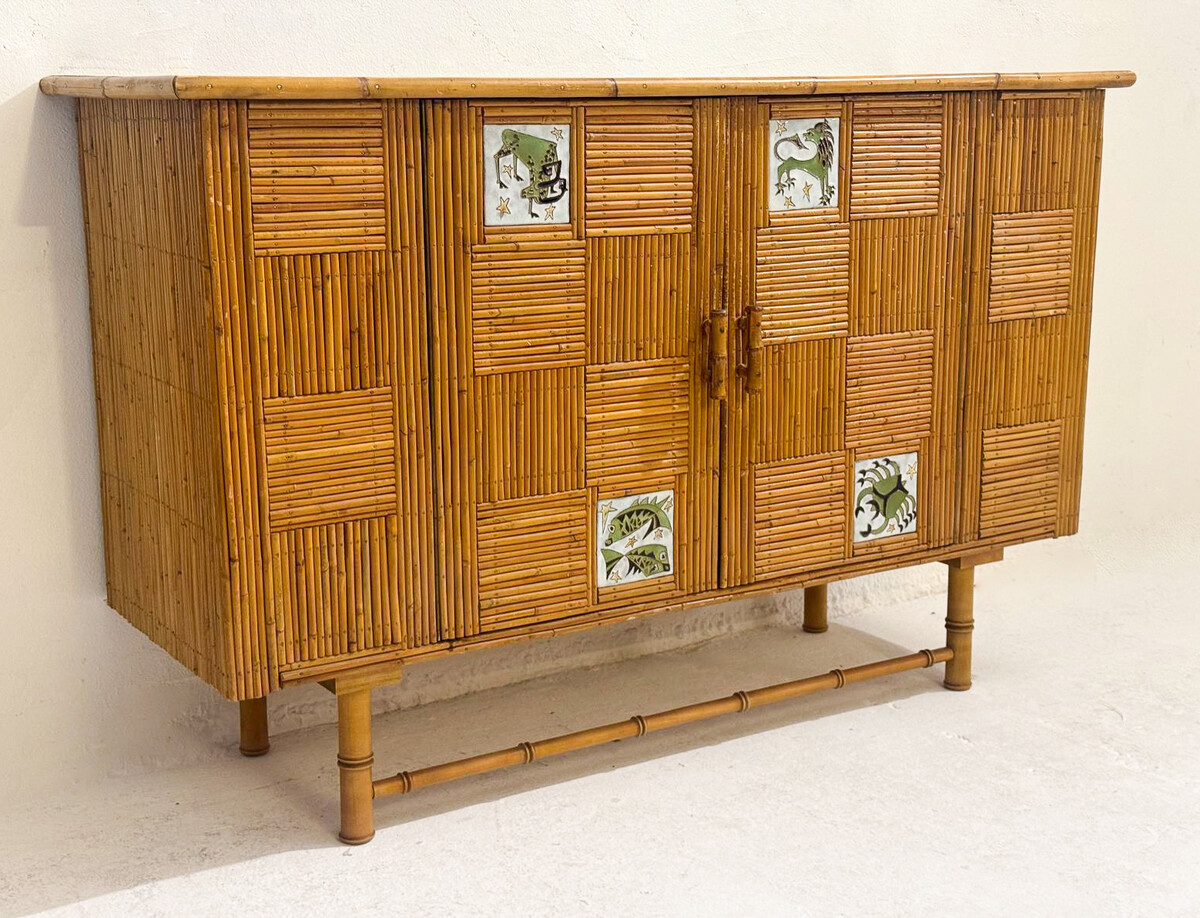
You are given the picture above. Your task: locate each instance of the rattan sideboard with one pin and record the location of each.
(388, 369)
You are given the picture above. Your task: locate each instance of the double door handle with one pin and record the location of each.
(750, 329)
(716, 333)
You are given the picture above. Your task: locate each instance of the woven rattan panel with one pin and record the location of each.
(1033, 310)
(338, 292)
(569, 287)
(579, 248)
(847, 234)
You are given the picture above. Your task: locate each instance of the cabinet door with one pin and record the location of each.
(1030, 316)
(321, 254)
(577, 446)
(846, 280)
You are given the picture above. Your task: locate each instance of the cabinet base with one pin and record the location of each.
(355, 758)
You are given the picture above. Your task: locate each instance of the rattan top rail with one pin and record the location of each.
(293, 87)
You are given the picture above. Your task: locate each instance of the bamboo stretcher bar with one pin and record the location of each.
(638, 725)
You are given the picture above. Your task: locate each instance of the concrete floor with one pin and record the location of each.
(1067, 782)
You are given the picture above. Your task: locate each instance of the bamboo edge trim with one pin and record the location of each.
(267, 87)
(639, 725)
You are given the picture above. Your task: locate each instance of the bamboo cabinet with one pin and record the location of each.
(392, 369)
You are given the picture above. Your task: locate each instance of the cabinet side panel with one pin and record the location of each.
(156, 392)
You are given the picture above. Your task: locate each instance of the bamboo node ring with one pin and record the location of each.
(530, 755)
(840, 676)
(355, 763)
(743, 700)
(640, 723)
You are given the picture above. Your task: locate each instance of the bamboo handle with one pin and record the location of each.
(752, 369)
(716, 328)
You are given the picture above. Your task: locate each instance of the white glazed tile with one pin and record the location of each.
(635, 537)
(542, 151)
(802, 163)
(885, 497)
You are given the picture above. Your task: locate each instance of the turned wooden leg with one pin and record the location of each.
(816, 618)
(354, 765)
(254, 737)
(960, 623)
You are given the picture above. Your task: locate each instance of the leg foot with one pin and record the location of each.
(960, 623)
(354, 766)
(816, 619)
(254, 737)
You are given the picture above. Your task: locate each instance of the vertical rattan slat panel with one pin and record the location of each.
(231, 248)
(407, 291)
(709, 251)
(1089, 142)
(974, 372)
(747, 125)
(452, 149)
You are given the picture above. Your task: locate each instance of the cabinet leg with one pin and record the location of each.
(354, 766)
(816, 618)
(254, 737)
(960, 623)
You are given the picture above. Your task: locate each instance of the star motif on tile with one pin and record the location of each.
(558, 134)
(606, 509)
(507, 169)
(668, 503)
(502, 207)
(892, 526)
(780, 127)
(615, 577)
(631, 541)
(808, 191)
(549, 212)
(658, 533)
(788, 202)
(912, 469)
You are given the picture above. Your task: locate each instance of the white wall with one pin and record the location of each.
(84, 695)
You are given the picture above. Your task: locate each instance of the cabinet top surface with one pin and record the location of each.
(301, 87)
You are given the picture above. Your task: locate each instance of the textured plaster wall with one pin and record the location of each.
(86, 696)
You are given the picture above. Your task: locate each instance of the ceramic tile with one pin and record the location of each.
(802, 163)
(526, 174)
(635, 537)
(885, 497)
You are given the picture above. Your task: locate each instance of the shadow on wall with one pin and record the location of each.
(99, 690)
(176, 823)
(50, 199)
